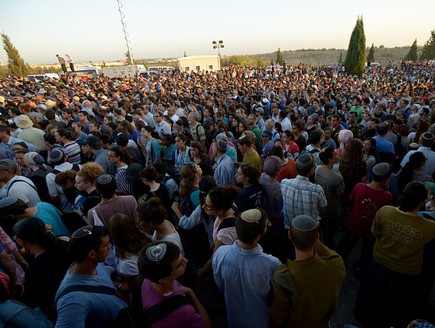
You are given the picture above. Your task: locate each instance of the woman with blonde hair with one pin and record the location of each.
(85, 183)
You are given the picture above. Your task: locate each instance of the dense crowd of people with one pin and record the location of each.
(128, 197)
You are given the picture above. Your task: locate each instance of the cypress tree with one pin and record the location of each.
(412, 53)
(428, 51)
(16, 65)
(356, 52)
(371, 55)
(279, 57)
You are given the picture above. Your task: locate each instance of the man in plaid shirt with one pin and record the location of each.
(302, 197)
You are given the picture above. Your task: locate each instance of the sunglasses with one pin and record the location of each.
(83, 232)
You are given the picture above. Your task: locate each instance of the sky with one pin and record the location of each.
(91, 30)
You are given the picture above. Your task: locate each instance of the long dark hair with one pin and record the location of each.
(416, 161)
(33, 231)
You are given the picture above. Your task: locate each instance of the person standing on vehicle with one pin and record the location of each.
(62, 63)
(70, 61)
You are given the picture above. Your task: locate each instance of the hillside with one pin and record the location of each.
(331, 56)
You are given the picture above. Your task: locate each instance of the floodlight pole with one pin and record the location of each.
(126, 35)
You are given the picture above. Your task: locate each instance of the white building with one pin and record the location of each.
(199, 63)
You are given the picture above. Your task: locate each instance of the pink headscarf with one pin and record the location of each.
(344, 136)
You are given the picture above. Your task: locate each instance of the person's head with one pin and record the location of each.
(125, 235)
(106, 185)
(304, 232)
(197, 149)
(181, 141)
(344, 136)
(273, 163)
(191, 174)
(298, 127)
(83, 117)
(251, 225)
(351, 117)
(220, 199)
(288, 136)
(161, 262)
(381, 172)
(335, 121)
(382, 129)
(328, 156)
(369, 146)
(148, 174)
(151, 213)
(33, 159)
(158, 117)
(19, 156)
(8, 169)
(316, 137)
(244, 142)
(305, 165)
(247, 174)
(427, 139)
(117, 154)
(88, 175)
(412, 197)
(33, 231)
(221, 146)
(89, 243)
(65, 135)
(57, 157)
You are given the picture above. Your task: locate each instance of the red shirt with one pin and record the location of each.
(288, 171)
(366, 202)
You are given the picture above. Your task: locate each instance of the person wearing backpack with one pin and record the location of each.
(161, 263)
(59, 160)
(16, 186)
(196, 129)
(87, 296)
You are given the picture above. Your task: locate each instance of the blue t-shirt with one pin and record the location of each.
(83, 309)
(384, 145)
(49, 214)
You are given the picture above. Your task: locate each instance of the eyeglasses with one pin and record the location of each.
(83, 232)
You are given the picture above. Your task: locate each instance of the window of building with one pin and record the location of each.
(210, 66)
(198, 68)
(187, 68)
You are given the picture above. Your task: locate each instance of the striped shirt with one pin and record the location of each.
(122, 181)
(72, 150)
(301, 197)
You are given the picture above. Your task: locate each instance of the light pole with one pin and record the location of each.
(217, 45)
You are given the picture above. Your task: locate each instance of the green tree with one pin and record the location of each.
(279, 56)
(356, 52)
(271, 61)
(412, 53)
(371, 55)
(428, 51)
(16, 65)
(260, 62)
(237, 61)
(128, 57)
